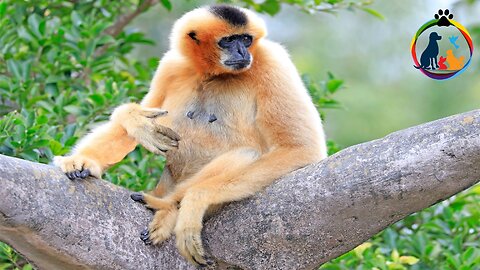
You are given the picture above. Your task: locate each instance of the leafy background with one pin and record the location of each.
(64, 65)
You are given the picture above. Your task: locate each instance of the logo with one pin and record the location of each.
(442, 48)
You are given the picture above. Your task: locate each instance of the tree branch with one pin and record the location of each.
(301, 221)
(123, 21)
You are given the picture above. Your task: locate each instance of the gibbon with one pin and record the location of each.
(228, 110)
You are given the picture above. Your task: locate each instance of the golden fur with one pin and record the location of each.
(267, 126)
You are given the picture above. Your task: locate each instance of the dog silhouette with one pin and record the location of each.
(454, 63)
(441, 63)
(429, 55)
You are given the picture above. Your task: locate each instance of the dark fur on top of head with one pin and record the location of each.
(231, 14)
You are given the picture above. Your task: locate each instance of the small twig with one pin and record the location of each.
(123, 21)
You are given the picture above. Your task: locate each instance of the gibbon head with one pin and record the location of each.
(218, 39)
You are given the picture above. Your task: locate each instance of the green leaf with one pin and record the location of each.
(25, 70)
(42, 119)
(73, 109)
(334, 85)
(167, 4)
(76, 19)
(410, 260)
(3, 9)
(374, 13)
(34, 22)
(395, 255)
(30, 155)
(271, 7)
(56, 147)
(97, 99)
(467, 255)
(104, 39)
(14, 68)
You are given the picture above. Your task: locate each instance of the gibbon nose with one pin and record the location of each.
(241, 50)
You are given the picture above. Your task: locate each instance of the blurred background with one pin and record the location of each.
(383, 93)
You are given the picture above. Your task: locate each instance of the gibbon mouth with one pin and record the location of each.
(237, 64)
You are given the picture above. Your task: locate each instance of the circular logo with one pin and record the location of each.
(442, 48)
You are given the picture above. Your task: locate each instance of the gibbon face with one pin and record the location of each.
(218, 39)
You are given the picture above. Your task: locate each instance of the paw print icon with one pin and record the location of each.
(442, 48)
(443, 17)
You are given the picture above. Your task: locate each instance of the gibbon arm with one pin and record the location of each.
(129, 125)
(105, 146)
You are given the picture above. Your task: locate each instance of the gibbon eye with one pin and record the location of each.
(247, 40)
(225, 42)
(193, 36)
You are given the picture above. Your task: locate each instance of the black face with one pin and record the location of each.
(235, 47)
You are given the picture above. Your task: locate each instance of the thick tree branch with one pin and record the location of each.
(306, 218)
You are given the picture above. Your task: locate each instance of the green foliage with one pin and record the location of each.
(322, 96)
(9, 259)
(272, 7)
(322, 92)
(59, 75)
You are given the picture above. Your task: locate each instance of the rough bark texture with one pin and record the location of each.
(303, 220)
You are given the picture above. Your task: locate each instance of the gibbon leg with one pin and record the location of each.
(164, 186)
(230, 186)
(165, 217)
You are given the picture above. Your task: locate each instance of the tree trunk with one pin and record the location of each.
(301, 221)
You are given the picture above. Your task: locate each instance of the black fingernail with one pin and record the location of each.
(70, 175)
(210, 262)
(77, 174)
(85, 173)
(145, 235)
(200, 264)
(138, 197)
(162, 150)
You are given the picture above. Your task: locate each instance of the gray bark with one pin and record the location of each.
(301, 221)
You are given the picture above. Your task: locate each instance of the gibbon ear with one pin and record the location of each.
(193, 36)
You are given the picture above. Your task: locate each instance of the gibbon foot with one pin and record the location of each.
(161, 227)
(164, 219)
(189, 244)
(78, 166)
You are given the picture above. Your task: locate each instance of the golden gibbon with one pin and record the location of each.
(228, 110)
